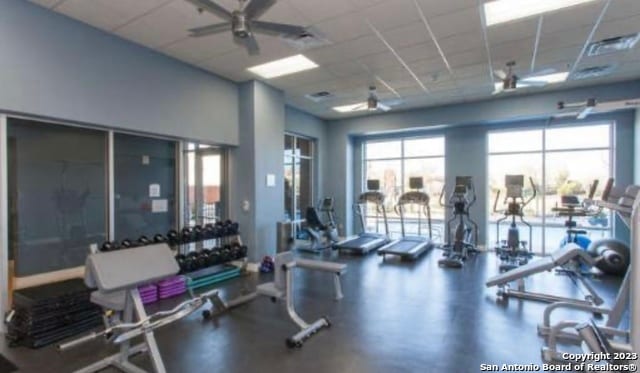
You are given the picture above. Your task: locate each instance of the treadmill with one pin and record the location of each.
(366, 242)
(411, 247)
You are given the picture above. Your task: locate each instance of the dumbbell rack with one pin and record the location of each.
(209, 274)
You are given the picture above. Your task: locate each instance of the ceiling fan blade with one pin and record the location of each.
(250, 43)
(383, 107)
(256, 8)
(532, 83)
(500, 74)
(585, 113)
(212, 7)
(359, 107)
(277, 28)
(209, 30)
(393, 102)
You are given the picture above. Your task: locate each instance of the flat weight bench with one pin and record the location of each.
(282, 288)
(117, 275)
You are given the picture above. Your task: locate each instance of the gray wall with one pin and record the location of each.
(56, 67)
(262, 119)
(636, 144)
(300, 123)
(465, 127)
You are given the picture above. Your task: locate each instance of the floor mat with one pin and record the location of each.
(6, 366)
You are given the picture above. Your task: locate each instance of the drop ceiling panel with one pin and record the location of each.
(317, 11)
(391, 14)
(629, 25)
(45, 3)
(622, 9)
(196, 50)
(107, 14)
(411, 34)
(580, 15)
(423, 51)
(349, 50)
(166, 24)
(467, 58)
(343, 28)
(459, 22)
(432, 8)
(461, 42)
(347, 68)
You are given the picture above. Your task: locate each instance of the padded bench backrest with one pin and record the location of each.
(123, 269)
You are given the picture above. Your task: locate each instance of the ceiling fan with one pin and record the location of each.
(373, 103)
(511, 81)
(243, 22)
(591, 105)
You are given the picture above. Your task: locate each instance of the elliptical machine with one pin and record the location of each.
(465, 235)
(513, 252)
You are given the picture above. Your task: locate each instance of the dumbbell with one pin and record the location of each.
(181, 259)
(209, 231)
(158, 238)
(192, 261)
(109, 246)
(232, 228)
(186, 235)
(173, 238)
(225, 254)
(202, 259)
(197, 233)
(214, 257)
(144, 241)
(127, 244)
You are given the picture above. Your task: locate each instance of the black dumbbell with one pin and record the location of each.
(197, 233)
(109, 246)
(127, 244)
(181, 259)
(214, 257)
(225, 254)
(173, 238)
(158, 238)
(192, 261)
(232, 228)
(144, 241)
(203, 258)
(209, 231)
(186, 235)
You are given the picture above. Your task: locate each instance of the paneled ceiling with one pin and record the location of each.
(357, 57)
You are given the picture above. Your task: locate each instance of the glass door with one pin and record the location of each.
(204, 189)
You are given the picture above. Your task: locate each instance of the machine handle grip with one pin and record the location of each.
(607, 190)
(592, 189)
(535, 192)
(495, 203)
(79, 341)
(442, 196)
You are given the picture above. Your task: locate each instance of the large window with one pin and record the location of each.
(204, 181)
(561, 161)
(298, 176)
(394, 162)
(57, 195)
(145, 186)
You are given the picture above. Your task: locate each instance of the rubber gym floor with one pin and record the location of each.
(395, 317)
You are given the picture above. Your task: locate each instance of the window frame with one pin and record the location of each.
(312, 172)
(543, 152)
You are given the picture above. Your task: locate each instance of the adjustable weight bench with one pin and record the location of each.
(558, 259)
(117, 276)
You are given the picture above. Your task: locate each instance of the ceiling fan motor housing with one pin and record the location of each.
(239, 25)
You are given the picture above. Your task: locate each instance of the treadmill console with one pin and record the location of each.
(373, 184)
(415, 183)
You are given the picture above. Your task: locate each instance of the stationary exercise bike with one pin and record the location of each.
(323, 235)
(514, 252)
(465, 235)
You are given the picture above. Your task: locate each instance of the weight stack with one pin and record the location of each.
(46, 314)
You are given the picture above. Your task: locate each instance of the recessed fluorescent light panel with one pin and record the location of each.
(362, 106)
(501, 11)
(547, 79)
(282, 67)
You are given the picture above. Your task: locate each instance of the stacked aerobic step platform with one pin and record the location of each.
(45, 314)
(212, 275)
(168, 288)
